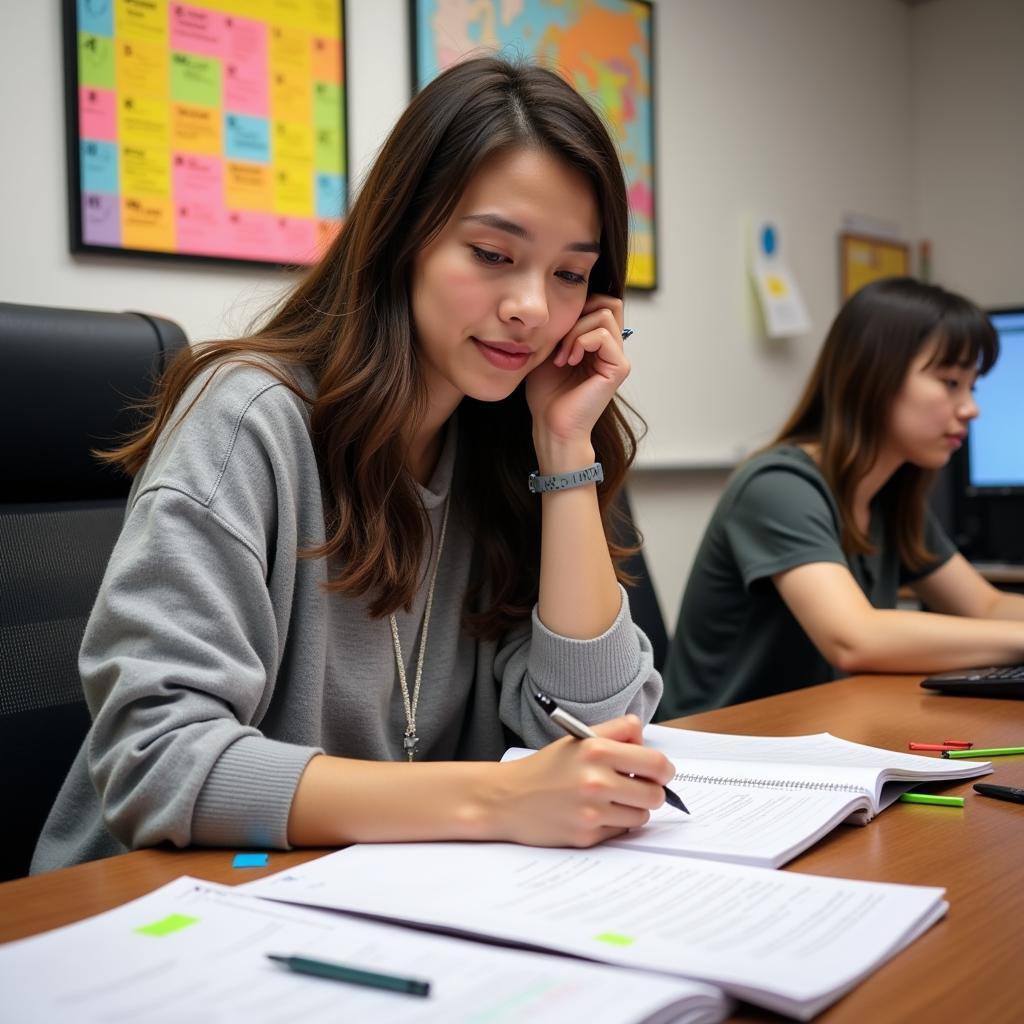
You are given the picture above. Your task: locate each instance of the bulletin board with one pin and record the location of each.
(603, 48)
(214, 130)
(863, 259)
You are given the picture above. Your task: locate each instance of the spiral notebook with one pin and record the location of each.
(762, 800)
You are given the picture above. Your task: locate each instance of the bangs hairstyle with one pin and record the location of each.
(350, 322)
(846, 405)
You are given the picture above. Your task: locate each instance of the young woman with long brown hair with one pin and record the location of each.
(796, 579)
(332, 564)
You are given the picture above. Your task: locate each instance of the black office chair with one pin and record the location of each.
(66, 377)
(643, 601)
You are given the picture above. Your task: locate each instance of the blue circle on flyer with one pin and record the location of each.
(768, 239)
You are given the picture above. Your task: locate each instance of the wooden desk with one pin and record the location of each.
(969, 965)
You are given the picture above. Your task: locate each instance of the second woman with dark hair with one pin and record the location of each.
(332, 564)
(796, 579)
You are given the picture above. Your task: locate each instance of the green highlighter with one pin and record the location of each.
(928, 798)
(990, 752)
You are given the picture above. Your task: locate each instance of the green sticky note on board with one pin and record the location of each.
(614, 939)
(195, 79)
(95, 60)
(168, 925)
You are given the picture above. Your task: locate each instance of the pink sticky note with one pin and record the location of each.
(195, 30)
(97, 113)
(199, 228)
(296, 240)
(249, 235)
(246, 74)
(198, 179)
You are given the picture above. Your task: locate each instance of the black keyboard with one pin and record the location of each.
(997, 681)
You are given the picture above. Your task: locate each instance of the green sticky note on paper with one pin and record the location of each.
(614, 939)
(168, 925)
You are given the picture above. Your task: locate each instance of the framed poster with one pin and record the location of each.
(863, 258)
(604, 48)
(212, 130)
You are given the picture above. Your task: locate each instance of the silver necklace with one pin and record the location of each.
(411, 739)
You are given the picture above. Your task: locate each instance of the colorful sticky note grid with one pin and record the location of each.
(250, 860)
(212, 127)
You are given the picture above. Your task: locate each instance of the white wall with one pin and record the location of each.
(968, 103)
(208, 301)
(802, 108)
(795, 108)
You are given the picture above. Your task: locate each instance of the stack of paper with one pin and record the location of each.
(195, 951)
(792, 943)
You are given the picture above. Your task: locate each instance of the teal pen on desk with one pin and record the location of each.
(353, 975)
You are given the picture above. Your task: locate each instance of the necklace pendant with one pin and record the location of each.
(409, 741)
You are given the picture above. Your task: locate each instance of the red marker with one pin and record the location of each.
(964, 744)
(933, 746)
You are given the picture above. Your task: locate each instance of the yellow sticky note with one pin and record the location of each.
(196, 129)
(142, 19)
(143, 68)
(320, 16)
(293, 189)
(292, 143)
(145, 170)
(248, 186)
(143, 121)
(291, 49)
(147, 222)
(291, 95)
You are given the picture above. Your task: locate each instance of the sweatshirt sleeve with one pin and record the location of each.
(177, 664)
(595, 680)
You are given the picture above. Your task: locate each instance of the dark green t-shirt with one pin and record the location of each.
(735, 639)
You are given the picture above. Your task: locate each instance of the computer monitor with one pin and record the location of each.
(987, 474)
(995, 441)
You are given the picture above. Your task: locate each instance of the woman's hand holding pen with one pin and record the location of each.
(574, 793)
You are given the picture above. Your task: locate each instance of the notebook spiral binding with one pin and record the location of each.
(724, 780)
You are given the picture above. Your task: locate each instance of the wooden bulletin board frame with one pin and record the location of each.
(866, 258)
(604, 49)
(214, 130)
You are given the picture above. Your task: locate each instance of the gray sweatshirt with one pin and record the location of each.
(215, 665)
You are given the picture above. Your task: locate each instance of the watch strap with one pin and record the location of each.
(592, 474)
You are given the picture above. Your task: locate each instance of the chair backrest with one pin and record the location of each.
(67, 378)
(643, 601)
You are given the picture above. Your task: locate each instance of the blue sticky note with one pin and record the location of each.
(250, 860)
(99, 166)
(96, 17)
(330, 196)
(247, 138)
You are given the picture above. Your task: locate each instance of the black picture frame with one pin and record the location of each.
(79, 245)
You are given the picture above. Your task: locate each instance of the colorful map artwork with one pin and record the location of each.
(602, 47)
(211, 129)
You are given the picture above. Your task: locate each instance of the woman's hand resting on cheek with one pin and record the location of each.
(569, 391)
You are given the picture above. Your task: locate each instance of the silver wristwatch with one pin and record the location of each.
(593, 474)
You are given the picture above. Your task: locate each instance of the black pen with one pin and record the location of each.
(574, 727)
(1010, 793)
(353, 975)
